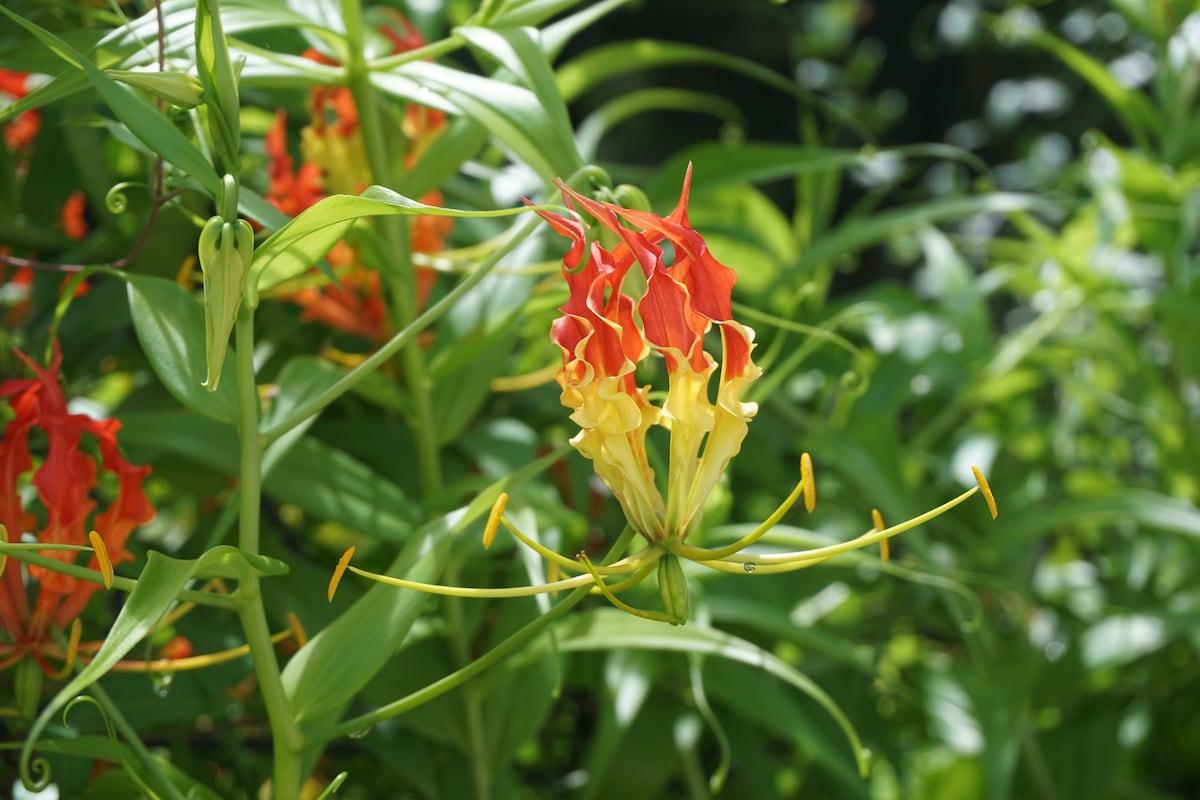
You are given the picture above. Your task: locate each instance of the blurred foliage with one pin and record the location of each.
(965, 233)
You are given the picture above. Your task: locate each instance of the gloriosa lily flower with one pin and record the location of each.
(38, 603)
(604, 334)
(64, 483)
(334, 159)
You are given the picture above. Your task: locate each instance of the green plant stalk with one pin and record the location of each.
(286, 739)
(249, 442)
(489, 659)
(396, 237)
(472, 708)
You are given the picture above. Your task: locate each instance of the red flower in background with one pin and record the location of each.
(19, 133)
(334, 158)
(64, 483)
(290, 191)
(74, 224)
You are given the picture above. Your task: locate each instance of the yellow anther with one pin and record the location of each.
(340, 570)
(518, 383)
(885, 549)
(297, 629)
(987, 491)
(810, 485)
(186, 277)
(72, 650)
(102, 559)
(493, 521)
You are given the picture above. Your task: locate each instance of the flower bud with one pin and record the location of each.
(27, 688)
(672, 585)
(225, 252)
(176, 88)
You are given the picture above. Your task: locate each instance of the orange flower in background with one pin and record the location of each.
(334, 159)
(64, 481)
(74, 224)
(20, 133)
(290, 190)
(604, 334)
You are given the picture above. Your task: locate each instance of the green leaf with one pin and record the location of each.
(216, 73)
(518, 51)
(459, 142)
(142, 119)
(462, 382)
(1142, 506)
(858, 234)
(619, 109)
(322, 480)
(513, 114)
(156, 592)
(301, 378)
(340, 660)
(170, 326)
(607, 629)
(615, 60)
(299, 244)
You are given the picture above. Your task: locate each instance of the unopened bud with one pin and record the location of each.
(225, 252)
(177, 88)
(672, 585)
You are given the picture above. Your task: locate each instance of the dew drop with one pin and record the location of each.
(161, 682)
(749, 567)
(360, 734)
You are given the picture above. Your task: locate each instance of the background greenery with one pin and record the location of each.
(995, 204)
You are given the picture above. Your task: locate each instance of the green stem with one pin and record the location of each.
(472, 707)
(249, 442)
(396, 237)
(285, 736)
(489, 659)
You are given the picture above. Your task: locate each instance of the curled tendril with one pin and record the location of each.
(854, 382)
(35, 766)
(85, 698)
(112, 736)
(116, 200)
